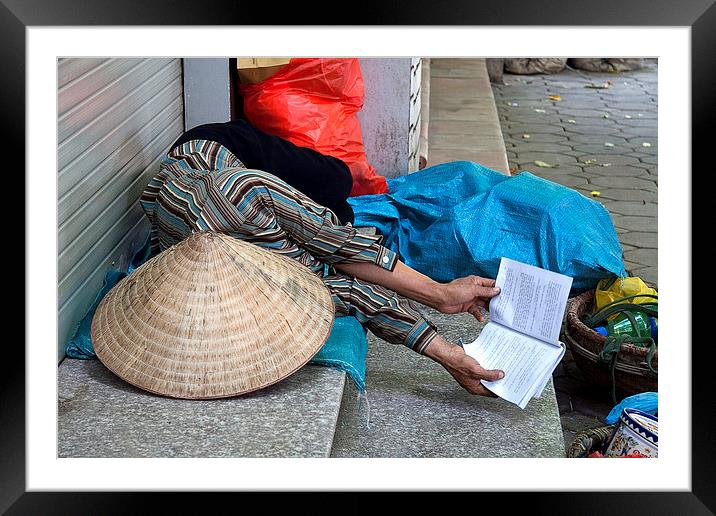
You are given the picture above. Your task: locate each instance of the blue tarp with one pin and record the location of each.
(645, 401)
(460, 218)
(345, 349)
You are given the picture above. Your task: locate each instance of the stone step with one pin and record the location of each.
(416, 409)
(464, 124)
(100, 415)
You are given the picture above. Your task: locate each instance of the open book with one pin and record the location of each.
(522, 337)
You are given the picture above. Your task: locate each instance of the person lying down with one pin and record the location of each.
(215, 178)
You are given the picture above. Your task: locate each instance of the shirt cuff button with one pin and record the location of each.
(386, 259)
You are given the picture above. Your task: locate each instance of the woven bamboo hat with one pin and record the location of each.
(212, 317)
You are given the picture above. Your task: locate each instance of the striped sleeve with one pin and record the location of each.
(261, 196)
(343, 244)
(318, 230)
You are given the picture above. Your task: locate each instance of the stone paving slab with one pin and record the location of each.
(643, 256)
(617, 172)
(100, 415)
(625, 182)
(459, 127)
(617, 148)
(535, 128)
(597, 140)
(417, 409)
(646, 224)
(648, 209)
(639, 239)
(540, 147)
(614, 159)
(557, 169)
(471, 141)
(566, 180)
(464, 114)
(617, 194)
(495, 160)
(539, 137)
(551, 158)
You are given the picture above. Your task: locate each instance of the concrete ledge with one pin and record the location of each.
(102, 416)
(418, 410)
(464, 124)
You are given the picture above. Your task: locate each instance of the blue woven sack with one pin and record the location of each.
(460, 218)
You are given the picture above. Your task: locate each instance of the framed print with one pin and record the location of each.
(192, 61)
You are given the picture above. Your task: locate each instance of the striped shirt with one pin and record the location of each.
(201, 185)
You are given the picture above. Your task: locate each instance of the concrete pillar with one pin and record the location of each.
(390, 118)
(206, 91)
(386, 115)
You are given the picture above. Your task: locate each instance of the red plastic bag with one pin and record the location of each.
(313, 103)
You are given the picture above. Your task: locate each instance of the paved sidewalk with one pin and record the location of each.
(602, 141)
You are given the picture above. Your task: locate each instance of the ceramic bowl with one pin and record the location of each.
(636, 433)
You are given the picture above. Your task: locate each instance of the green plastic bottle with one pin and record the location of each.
(645, 326)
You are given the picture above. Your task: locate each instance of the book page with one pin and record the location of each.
(526, 361)
(531, 300)
(539, 387)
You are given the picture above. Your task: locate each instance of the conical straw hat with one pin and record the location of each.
(212, 317)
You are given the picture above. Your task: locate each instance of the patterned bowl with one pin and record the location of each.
(636, 433)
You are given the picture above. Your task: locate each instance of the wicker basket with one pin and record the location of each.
(632, 375)
(590, 441)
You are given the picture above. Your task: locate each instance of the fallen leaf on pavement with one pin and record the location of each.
(627, 116)
(513, 170)
(540, 111)
(572, 121)
(605, 164)
(607, 144)
(605, 115)
(554, 97)
(646, 144)
(601, 86)
(545, 165)
(589, 161)
(526, 136)
(595, 193)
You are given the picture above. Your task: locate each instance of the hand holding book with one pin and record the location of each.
(470, 294)
(522, 337)
(464, 368)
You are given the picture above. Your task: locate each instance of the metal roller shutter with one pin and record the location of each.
(116, 118)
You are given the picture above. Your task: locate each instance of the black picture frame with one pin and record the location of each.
(700, 15)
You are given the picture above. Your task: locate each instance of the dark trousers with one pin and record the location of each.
(324, 179)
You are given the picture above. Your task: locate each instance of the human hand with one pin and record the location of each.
(470, 294)
(466, 370)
